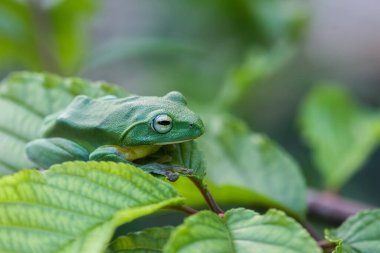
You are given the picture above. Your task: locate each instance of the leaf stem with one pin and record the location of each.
(207, 196)
(309, 228)
(327, 246)
(185, 209)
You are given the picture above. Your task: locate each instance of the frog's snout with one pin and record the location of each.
(197, 126)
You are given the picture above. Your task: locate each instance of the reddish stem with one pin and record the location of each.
(207, 195)
(327, 246)
(185, 209)
(332, 206)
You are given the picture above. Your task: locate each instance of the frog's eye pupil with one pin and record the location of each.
(162, 123)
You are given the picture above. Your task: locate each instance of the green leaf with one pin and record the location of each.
(151, 240)
(251, 165)
(241, 230)
(75, 206)
(358, 234)
(26, 98)
(341, 133)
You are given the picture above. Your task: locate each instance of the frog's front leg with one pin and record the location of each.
(127, 155)
(49, 151)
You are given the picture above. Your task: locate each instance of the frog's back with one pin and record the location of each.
(85, 121)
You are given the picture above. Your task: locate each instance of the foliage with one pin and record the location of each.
(53, 35)
(242, 167)
(223, 146)
(77, 206)
(43, 35)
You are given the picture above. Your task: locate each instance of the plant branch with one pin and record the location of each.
(184, 209)
(309, 228)
(332, 207)
(327, 246)
(207, 195)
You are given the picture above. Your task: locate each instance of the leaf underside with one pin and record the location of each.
(189, 156)
(151, 240)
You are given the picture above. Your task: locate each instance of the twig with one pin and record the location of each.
(184, 209)
(332, 207)
(327, 246)
(309, 228)
(207, 196)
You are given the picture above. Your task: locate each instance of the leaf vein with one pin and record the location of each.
(13, 134)
(22, 104)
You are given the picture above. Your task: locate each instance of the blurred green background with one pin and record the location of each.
(275, 51)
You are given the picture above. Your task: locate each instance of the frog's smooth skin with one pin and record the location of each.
(114, 129)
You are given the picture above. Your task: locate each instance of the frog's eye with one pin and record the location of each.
(162, 124)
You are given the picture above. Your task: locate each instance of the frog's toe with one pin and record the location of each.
(184, 171)
(172, 176)
(171, 172)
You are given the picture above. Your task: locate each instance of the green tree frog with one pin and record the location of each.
(115, 129)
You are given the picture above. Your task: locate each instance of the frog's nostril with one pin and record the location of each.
(197, 126)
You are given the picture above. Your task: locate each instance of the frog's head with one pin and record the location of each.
(162, 120)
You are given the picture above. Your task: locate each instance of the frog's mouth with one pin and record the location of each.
(172, 142)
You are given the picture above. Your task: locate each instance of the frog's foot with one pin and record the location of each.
(49, 151)
(171, 172)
